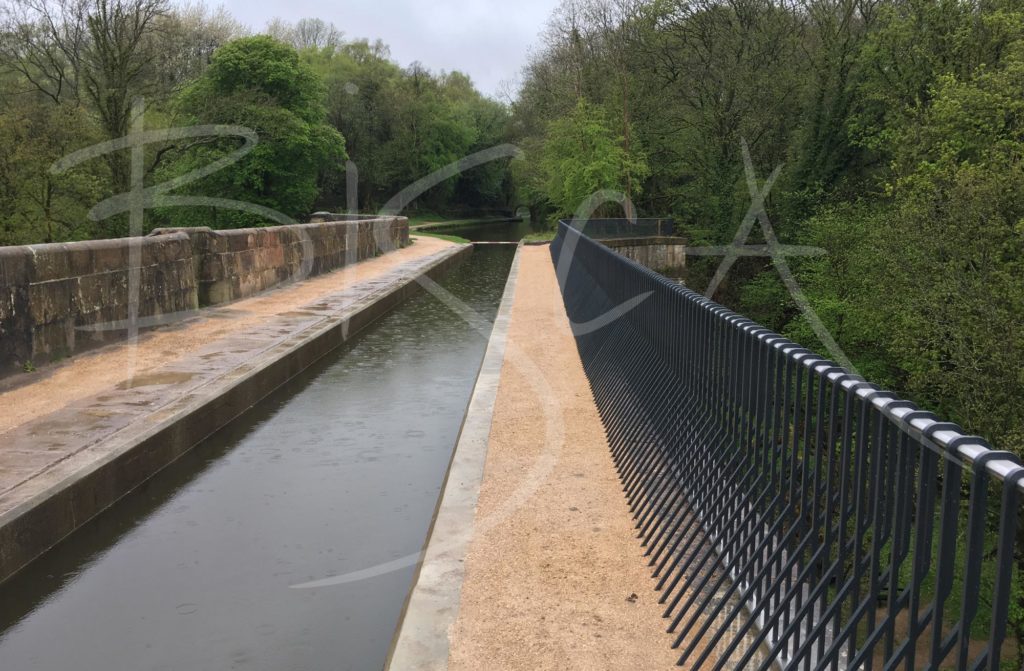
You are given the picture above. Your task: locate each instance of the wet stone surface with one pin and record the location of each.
(83, 425)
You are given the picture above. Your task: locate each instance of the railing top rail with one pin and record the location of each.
(928, 429)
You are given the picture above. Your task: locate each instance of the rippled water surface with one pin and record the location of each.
(491, 231)
(337, 472)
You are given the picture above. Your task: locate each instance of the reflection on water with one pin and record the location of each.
(337, 472)
(498, 231)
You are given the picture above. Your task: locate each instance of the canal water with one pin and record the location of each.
(490, 231)
(338, 471)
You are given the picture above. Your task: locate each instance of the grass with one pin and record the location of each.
(542, 236)
(420, 219)
(449, 238)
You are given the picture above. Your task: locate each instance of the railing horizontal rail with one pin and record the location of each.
(794, 514)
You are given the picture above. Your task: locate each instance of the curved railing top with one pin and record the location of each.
(946, 437)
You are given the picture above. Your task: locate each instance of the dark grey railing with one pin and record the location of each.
(795, 515)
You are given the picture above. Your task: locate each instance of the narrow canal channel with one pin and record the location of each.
(490, 231)
(337, 472)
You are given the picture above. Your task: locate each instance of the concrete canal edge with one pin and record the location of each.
(132, 456)
(421, 640)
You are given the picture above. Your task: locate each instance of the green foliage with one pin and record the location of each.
(960, 230)
(429, 131)
(36, 204)
(402, 125)
(359, 79)
(540, 236)
(68, 79)
(583, 155)
(259, 83)
(265, 65)
(843, 287)
(766, 300)
(900, 126)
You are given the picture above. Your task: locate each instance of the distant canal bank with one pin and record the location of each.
(505, 230)
(336, 472)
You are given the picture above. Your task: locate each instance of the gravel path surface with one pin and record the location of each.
(554, 575)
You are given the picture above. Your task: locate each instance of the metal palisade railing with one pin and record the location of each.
(795, 515)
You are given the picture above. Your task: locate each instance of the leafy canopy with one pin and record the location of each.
(262, 84)
(583, 155)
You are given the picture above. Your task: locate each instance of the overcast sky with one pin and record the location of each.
(486, 39)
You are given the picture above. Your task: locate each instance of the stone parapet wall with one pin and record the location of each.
(59, 298)
(56, 299)
(239, 263)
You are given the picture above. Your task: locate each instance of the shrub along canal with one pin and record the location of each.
(336, 472)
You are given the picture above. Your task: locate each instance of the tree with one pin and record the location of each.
(486, 185)
(361, 80)
(315, 34)
(401, 125)
(38, 205)
(98, 53)
(825, 155)
(582, 155)
(959, 234)
(188, 35)
(428, 132)
(262, 84)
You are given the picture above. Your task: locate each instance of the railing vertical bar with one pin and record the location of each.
(778, 497)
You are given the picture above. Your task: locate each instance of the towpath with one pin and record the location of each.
(551, 575)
